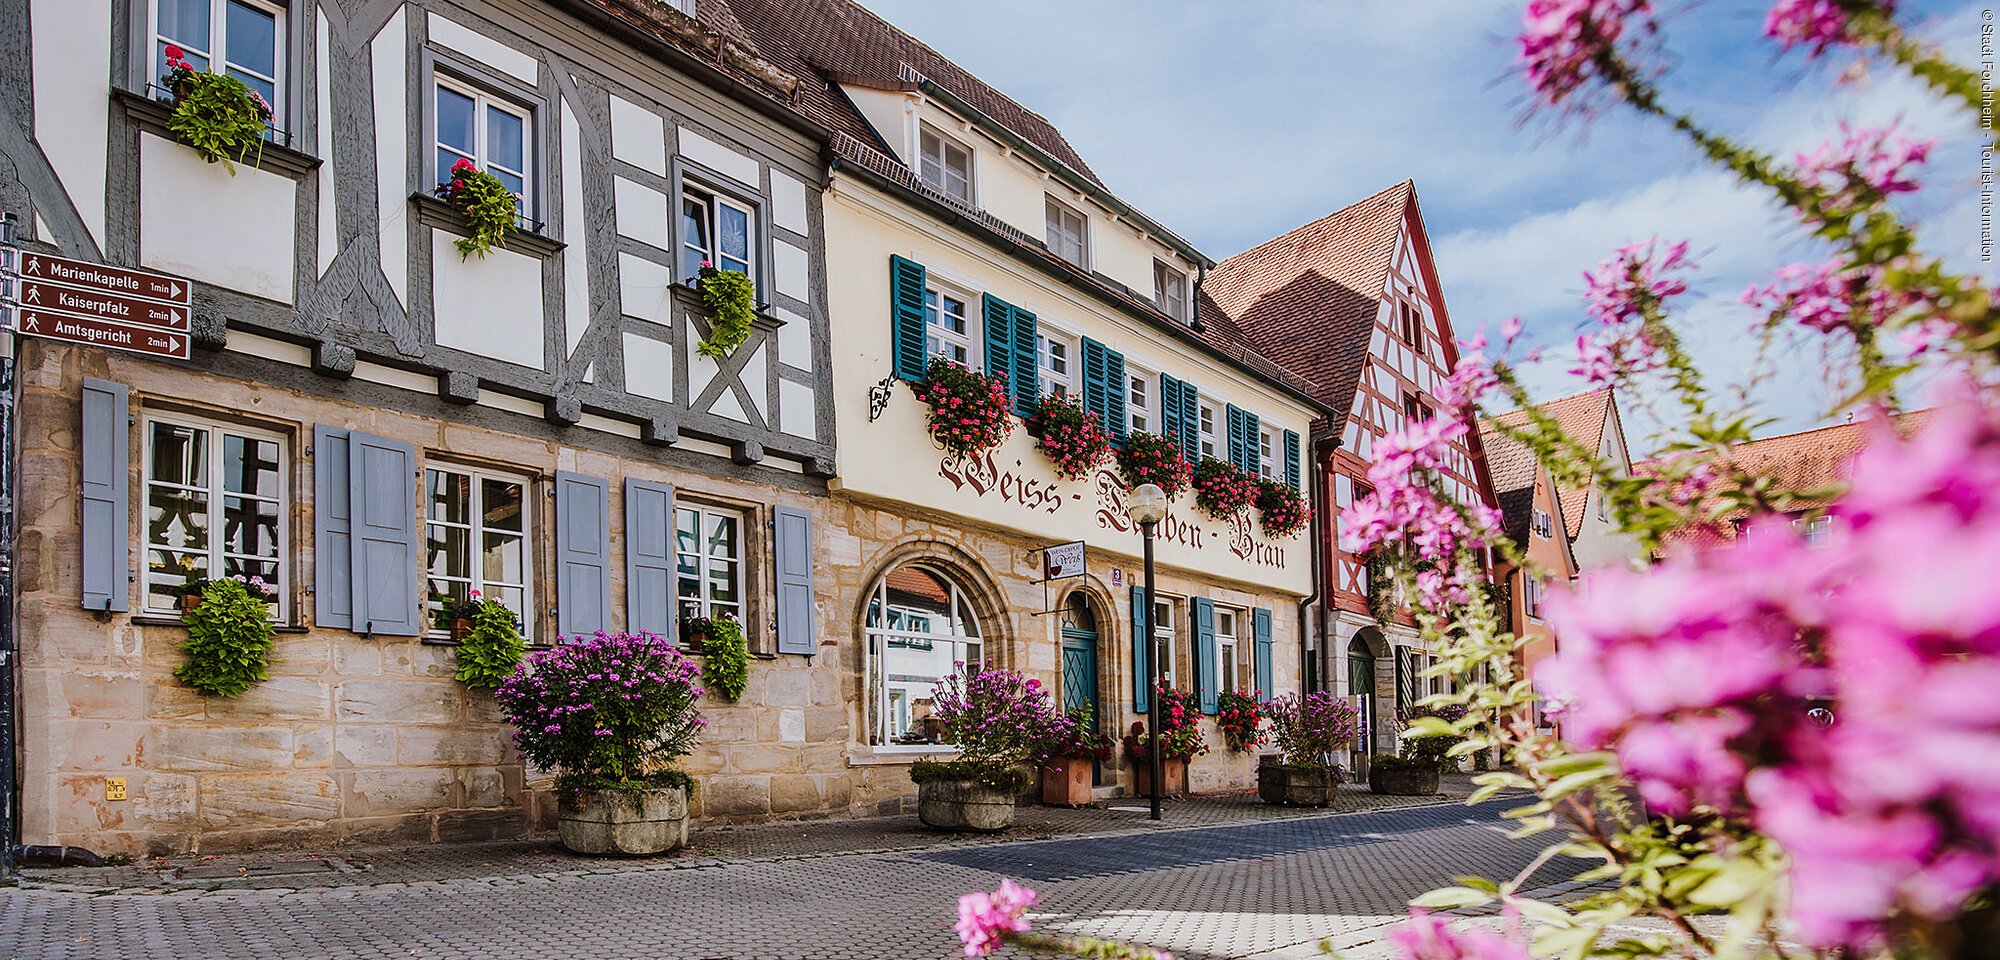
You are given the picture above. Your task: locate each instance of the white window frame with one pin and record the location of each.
(218, 57)
(1531, 596)
(1056, 232)
(1048, 378)
(1139, 414)
(946, 145)
(1225, 647)
(1267, 452)
(704, 561)
(1541, 524)
(1816, 532)
(1170, 290)
(1206, 414)
(1164, 636)
(1603, 503)
(216, 494)
(717, 199)
(475, 527)
(482, 100)
(876, 680)
(934, 294)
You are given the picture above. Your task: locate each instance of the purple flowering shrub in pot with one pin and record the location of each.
(1307, 729)
(1001, 723)
(610, 714)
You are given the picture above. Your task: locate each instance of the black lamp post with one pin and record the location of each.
(1147, 505)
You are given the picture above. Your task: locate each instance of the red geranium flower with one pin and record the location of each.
(174, 52)
(462, 166)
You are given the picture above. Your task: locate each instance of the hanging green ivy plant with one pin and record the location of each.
(732, 304)
(222, 119)
(726, 667)
(492, 648)
(490, 209)
(229, 640)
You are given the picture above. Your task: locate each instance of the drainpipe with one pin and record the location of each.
(1194, 299)
(1310, 616)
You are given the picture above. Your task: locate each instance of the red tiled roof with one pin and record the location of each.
(1308, 299)
(1582, 418)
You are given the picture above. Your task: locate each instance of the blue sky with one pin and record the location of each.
(1234, 123)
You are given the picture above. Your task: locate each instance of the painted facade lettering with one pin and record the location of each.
(983, 476)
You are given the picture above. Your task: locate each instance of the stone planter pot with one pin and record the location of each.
(1401, 781)
(1066, 782)
(964, 805)
(1176, 776)
(1286, 785)
(634, 823)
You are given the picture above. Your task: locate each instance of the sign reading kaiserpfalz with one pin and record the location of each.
(103, 306)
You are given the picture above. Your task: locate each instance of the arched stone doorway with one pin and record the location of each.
(1368, 668)
(1079, 649)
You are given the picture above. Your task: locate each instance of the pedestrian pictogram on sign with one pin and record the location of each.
(91, 303)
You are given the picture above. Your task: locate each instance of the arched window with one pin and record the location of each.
(919, 629)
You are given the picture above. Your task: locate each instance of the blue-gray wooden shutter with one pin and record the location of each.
(997, 320)
(649, 558)
(1191, 421)
(1260, 628)
(1027, 374)
(1293, 476)
(793, 548)
(333, 530)
(583, 554)
(1206, 679)
(906, 317)
(1238, 438)
(383, 530)
(106, 440)
(1117, 390)
(1170, 408)
(1142, 651)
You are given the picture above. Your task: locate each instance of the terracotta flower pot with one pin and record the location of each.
(1298, 786)
(189, 601)
(1066, 782)
(696, 642)
(964, 805)
(634, 823)
(460, 627)
(1176, 777)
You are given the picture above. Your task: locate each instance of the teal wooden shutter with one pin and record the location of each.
(106, 441)
(583, 554)
(1027, 375)
(1097, 392)
(1238, 437)
(649, 559)
(1206, 679)
(1292, 475)
(1117, 390)
(998, 320)
(1191, 421)
(794, 554)
(333, 530)
(906, 317)
(1260, 627)
(1142, 651)
(1170, 407)
(1253, 457)
(385, 576)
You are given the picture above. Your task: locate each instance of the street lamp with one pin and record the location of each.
(1148, 505)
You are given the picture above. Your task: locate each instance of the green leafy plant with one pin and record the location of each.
(1007, 779)
(970, 412)
(214, 113)
(726, 659)
(492, 649)
(490, 209)
(696, 628)
(732, 302)
(1180, 725)
(1072, 439)
(1284, 510)
(229, 641)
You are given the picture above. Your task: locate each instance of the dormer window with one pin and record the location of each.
(1170, 291)
(945, 164)
(1069, 233)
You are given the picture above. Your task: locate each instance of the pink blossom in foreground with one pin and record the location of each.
(1817, 24)
(985, 919)
(1427, 937)
(1864, 163)
(1563, 42)
(1619, 294)
(1700, 674)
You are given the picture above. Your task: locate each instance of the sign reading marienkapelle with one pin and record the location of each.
(1015, 487)
(90, 303)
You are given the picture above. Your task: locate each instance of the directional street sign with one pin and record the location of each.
(103, 306)
(96, 276)
(101, 333)
(83, 302)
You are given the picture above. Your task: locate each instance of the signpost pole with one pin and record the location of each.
(1153, 679)
(10, 822)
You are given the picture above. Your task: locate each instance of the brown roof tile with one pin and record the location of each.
(1308, 299)
(1582, 417)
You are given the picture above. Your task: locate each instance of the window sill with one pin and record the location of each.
(897, 755)
(432, 212)
(766, 320)
(151, 116)
(163, 620)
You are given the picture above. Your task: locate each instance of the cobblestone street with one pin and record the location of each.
(1222, 878)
